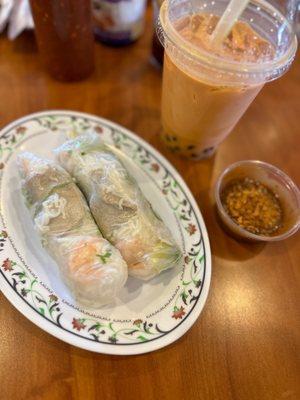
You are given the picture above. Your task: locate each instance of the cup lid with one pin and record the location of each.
(259, 14)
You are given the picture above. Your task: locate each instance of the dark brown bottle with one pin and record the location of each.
(157, 47)
(64, 35)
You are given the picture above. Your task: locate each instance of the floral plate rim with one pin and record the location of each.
(111, 348)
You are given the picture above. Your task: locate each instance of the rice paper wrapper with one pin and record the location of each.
(123, 214)
(93, 269)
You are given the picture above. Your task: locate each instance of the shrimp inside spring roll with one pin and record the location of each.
(93, 269)
(121, 211)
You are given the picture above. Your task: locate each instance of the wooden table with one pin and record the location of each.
(245, 345)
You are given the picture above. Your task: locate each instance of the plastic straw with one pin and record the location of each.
(228, 19)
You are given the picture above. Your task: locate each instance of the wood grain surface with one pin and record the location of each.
(246, 343)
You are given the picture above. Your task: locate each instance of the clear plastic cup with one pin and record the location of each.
(274, 179)
(204, 94)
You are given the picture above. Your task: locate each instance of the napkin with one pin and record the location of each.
(16, 16)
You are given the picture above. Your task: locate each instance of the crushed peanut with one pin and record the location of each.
(253, 206)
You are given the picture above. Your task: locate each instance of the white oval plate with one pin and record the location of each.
(147, 315)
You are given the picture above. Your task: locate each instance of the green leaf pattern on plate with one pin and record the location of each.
(47, 304)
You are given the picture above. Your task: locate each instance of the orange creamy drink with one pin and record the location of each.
(206, 88)
(197, 114)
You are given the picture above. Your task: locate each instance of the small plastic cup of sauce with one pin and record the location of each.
(269, 180)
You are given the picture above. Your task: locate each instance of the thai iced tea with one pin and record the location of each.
(198, 109)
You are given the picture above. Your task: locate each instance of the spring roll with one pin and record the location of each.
(121, 211)
(93, 269)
